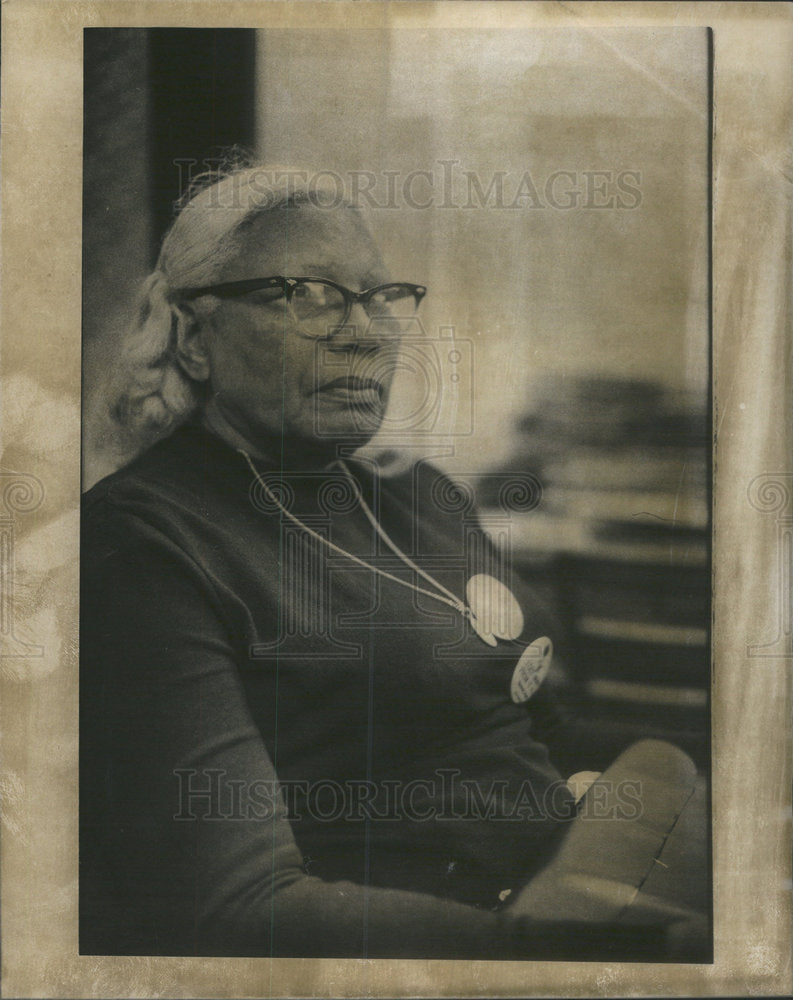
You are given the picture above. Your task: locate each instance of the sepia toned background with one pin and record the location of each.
(637, 334)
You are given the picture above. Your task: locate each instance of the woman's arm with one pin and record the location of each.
(166, 869)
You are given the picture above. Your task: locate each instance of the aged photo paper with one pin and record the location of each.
(474, 331)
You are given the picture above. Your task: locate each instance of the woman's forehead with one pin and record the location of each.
(306, 239)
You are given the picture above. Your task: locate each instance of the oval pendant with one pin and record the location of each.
(531, 669)
(482, 632)
(494, 608)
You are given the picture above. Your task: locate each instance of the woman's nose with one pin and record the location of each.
(355, 331)
(358, 320)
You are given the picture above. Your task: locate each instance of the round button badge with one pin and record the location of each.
(531, 669)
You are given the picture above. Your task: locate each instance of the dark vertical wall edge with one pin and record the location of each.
(201, 102)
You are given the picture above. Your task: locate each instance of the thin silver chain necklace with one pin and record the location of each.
(440, 594)
(534, 663)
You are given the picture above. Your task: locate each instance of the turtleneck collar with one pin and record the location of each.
(272, 452)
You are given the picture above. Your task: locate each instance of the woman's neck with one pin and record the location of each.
(272, 451)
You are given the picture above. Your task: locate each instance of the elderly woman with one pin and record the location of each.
(311, 722)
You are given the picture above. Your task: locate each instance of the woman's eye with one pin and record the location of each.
(382, 303)
(266, 297)
(314, 294)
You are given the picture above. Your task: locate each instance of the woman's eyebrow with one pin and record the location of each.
(314, 268)
(374, 278)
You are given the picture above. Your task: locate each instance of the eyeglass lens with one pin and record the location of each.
(319, 307)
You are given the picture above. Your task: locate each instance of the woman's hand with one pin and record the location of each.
(579, 782)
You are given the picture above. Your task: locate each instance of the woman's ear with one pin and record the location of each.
(191, 352)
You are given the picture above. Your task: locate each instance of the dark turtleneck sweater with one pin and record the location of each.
(283, 752)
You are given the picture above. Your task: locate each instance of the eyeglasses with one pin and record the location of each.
(320, 307)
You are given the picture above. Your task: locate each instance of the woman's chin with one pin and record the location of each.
(359, 421)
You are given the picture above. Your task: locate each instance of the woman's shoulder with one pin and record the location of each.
(119, 511)
(150, 473)
(174, 466)
(178, 481)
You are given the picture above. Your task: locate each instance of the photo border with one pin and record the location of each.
(752, 502)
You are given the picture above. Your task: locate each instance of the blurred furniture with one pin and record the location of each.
(638, 642)
(621, 538)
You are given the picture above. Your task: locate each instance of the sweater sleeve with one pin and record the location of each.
(168, 863)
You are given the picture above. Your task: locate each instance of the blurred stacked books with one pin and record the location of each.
(621, 540)
(622, 464)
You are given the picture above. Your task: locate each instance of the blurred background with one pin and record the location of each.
(551, 188)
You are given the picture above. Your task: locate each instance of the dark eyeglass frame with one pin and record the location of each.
(233, 289)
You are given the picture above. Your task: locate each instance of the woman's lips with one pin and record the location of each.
(353, 389)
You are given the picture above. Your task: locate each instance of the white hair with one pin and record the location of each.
(156, 394)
